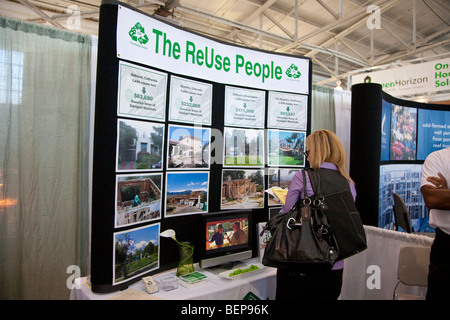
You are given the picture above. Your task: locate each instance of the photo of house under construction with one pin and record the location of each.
(138, 198)
(242, 189)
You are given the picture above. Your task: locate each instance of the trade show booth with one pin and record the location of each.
(189, 132)
(390, 140)
(186, 128)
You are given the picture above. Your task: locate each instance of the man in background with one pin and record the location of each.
(435, 191)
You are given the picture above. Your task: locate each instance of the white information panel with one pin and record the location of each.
(287, 111)
(244, 108)
(190, 101)
(141, 92)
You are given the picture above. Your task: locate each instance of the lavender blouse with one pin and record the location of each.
(296, 191)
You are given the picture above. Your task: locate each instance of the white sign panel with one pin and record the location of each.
(287, 111)
(142, 92)
(190, 101)
(244, 108)
(415, 79)
(151, 42)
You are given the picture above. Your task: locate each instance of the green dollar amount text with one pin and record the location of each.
(143, 96)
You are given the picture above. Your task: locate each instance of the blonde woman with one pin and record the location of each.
(323, 151)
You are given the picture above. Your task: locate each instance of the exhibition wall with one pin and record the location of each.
(184, 126)
(390, 140)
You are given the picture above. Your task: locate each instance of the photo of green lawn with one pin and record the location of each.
(285, 148)
(136, 251)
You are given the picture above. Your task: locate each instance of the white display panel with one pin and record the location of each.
(190, 101)
(141, 92)
(287, 111)
(149, 41)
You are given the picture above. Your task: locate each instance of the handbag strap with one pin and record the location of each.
(306, 199)
(304, 184)
(314, 177)
(305, 202)
(300, 200)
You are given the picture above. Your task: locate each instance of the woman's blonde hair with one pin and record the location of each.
(324, 146)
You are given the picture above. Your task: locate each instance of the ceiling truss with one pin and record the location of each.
(340, 36)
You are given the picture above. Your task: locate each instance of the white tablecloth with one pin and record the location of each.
(383, 248)
(261, 284)
(383, 251)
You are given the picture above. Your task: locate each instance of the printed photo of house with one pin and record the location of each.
(187, 193)
(242, 189)
(285, 148)
(140, 145)
(138, 198)
(188, 147)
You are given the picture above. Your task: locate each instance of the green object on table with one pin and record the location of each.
(186, 262)
(241, 271)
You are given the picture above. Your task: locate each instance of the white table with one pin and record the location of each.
(261, 284)
(383, 251)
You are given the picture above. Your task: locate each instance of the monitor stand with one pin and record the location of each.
(227, 267)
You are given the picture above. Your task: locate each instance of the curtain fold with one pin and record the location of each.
(44, 158)
(323, 109)
(343, 106)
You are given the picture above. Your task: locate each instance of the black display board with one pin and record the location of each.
(107, 133)
(374, 143)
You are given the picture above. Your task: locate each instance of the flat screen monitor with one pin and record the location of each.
(227, 236)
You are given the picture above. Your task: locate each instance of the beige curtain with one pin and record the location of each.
(44, 145)
(323, 109)
(343, 106)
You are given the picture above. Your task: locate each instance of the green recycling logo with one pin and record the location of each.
(137, 33)
(292, 72)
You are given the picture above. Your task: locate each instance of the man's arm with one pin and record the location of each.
(436, 196)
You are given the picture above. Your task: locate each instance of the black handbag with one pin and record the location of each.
(300, 238)
(338, 206)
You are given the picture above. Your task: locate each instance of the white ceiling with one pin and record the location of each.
(339, 36)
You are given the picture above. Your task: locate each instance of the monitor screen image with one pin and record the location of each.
(228, 237)
(225, 233)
